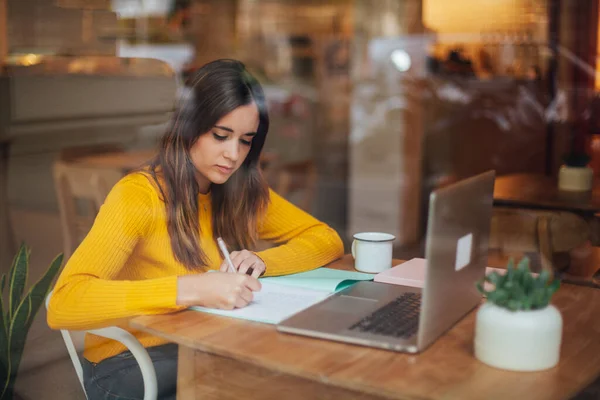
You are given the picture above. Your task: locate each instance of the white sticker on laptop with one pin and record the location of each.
(463, 251)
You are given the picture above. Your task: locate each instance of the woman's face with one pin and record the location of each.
(218, 153)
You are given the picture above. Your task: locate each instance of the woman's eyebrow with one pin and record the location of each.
(224, 128)
(231, 130)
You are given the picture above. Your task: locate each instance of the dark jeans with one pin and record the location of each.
(120, 378)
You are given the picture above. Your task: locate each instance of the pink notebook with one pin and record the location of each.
(412, 273)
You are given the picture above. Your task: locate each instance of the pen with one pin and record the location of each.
(223, 248)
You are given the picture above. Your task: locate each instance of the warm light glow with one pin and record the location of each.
(30, 59)
(472, 16)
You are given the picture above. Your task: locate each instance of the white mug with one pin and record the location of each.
(372, 251)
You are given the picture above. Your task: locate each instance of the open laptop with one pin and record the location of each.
(409, 319)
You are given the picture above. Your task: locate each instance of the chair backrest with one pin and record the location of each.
(80, 191)
(73, 342)
(543, 231)
(297, 176)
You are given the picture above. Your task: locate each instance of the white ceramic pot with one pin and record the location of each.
(578, 179)
(518, 341)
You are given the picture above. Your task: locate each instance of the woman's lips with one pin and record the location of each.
(224, 170)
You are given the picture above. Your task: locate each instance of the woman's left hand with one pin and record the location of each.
(245, 260)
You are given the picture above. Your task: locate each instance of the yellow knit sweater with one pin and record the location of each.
(125, 266)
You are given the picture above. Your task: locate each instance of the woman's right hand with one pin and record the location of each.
(216, 290)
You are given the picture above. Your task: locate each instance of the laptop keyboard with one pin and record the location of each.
(399, 318)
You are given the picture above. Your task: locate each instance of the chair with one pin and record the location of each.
(80, 191)
(82, 188)
(128, 340)
(294, 176)
(545, 232)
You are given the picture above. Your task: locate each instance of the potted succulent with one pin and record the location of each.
(575, 174)
(17, 311)
(517, 328)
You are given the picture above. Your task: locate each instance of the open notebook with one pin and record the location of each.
(283, 296)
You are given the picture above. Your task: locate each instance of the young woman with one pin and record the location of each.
(155, 236)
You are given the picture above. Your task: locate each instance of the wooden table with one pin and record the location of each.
(541, 192)
(226, 358)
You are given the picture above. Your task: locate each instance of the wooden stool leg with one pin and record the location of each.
(545, 244)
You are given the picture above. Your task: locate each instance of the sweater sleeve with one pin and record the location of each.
(88, 294)
(305, 243)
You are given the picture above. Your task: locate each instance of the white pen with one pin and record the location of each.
(225, 252)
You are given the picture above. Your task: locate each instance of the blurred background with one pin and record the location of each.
(374, 104)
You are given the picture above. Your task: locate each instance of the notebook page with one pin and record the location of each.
(325, 279)
(273, 303)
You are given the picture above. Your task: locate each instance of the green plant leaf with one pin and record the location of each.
(518, 293)
(17, 335)
(5, 312)
(38, 292)
(513, 305)
(526, 303)
(4, 353)
(26, 312)
(542, 279)
(517, 289)
(2, 284)
(493, 278)
(538, 298)
(480, 288)
(528, 283)
(502, 280)
(510, 269)
(523, 265)
(18, 279)
(499, 296)
(554, 286)
(523, 271)
(18, 327)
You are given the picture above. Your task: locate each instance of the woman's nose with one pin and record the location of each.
(232, 152)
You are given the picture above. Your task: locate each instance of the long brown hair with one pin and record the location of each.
(219, 87)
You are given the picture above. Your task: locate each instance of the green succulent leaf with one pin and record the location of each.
(480, 288)
(537, 298)
(4, 351)
(494, 278)
(518, 289)
(518, 293)
(15, 323)
(513, 305)
(38, 292)
(510, 269)
(17, 335)
(528, 283)
(18, 279)
(527, 303)
(543, 278)
(523, 265)
(499, 295)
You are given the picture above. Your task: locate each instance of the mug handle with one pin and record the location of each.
(353, 249)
